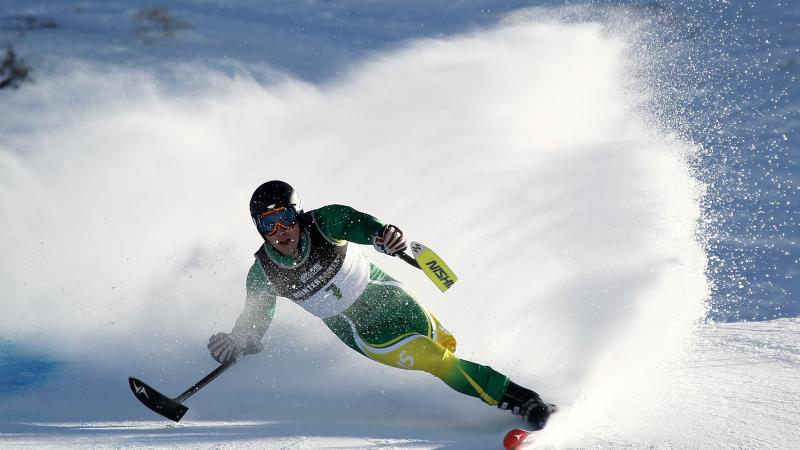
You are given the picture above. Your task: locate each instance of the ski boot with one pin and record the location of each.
(528, 404)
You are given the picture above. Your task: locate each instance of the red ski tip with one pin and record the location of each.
(515, 438)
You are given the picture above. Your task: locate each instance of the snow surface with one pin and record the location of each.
(736, 387)
(569, 217)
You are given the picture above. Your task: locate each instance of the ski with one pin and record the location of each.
(171, 408)
(156, 401)
(433, 266)
(518, 439)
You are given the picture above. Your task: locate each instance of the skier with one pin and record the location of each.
(306, 258)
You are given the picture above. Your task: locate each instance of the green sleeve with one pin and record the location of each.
(343, 223)
(259, 308)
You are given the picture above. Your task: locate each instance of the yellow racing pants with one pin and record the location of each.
(388, 325)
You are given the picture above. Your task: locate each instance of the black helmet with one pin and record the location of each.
(271, 194)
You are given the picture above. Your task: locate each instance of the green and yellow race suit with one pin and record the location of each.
(367, 309)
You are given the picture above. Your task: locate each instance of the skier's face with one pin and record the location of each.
(284, 239)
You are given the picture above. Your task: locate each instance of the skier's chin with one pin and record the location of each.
(285, 246)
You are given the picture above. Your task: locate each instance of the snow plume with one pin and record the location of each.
(513, 152)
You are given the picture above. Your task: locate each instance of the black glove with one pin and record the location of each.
(223, 348)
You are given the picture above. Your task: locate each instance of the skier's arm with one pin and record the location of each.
(252, 324)
(343, 223)
(259, 309)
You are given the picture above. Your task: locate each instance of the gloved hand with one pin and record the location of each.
(224, 348)
(389, 240)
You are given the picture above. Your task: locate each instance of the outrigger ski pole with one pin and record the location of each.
(172, 408)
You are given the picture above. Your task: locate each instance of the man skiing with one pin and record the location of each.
(306, 258)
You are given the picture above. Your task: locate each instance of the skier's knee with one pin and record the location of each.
(446, 340)
(443, 336)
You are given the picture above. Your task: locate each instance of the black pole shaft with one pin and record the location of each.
(207, 379)
(409, 259)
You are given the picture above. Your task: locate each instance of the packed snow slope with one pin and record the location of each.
(515, 152)
(736, 388)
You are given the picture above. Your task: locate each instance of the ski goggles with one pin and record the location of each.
(269, 222)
